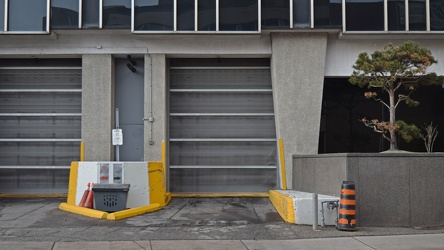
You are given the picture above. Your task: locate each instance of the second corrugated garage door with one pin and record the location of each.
(222, 128)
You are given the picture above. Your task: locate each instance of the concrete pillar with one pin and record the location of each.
(155, 106)
(297, 69)
(97, 106)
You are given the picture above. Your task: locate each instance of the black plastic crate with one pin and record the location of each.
(110, 197)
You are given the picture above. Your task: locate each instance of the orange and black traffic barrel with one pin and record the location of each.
(347, 207)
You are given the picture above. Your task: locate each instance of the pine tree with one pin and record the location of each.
(398, 71)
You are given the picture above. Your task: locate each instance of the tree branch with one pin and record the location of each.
(381, 101)
(397, 86)
(378, 127)
(371, 124)
(403, 98)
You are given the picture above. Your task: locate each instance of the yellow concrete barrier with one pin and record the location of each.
(156, 175)
(284, 205)
(72, 186)
(83, 211)
(220, 195)
(133, 212)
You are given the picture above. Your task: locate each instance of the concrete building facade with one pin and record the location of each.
(294, 59)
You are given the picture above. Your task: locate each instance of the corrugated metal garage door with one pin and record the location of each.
(222, 128)
(40, 124)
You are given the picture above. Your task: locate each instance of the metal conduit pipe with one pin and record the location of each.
(150, 116)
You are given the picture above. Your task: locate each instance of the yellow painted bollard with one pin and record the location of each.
(82, 151)
(157, 182)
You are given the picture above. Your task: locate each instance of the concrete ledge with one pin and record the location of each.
(133, 212)
(296, 207)
(83, 211)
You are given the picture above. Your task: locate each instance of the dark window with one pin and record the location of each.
(396, 15)
(117, 14)
(238, 15)
(185, 15)
(327, 13)
(436, 15)
(90, 14)
(64, 14)
(301, 13)
(364, 15)
(417, 15)
(206, 15)
(33, 10)
(275, 14)
(156, 15)
(344, 105)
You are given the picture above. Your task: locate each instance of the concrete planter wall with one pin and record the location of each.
(393, 189)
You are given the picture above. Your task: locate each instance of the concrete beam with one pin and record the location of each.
(76, 43)
(297, 70)
(97, 106)
(155, 105)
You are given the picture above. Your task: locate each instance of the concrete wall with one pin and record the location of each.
(392, 189)
(297, 70)
(97, 106)
(319, 174)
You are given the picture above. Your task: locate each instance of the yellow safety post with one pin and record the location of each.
(156, 177)
(168, 194)
(72, 186)
(282, 164)
(82, 151)
(164, 157)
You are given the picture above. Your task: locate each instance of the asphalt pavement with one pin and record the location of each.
(191, 223)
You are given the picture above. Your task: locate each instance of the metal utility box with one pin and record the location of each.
(110, 197)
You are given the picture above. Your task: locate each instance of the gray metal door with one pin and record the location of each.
(222, 128)
(40, 123)
(129, 101)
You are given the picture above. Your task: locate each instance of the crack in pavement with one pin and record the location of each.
(27, 213)
(364, 243)
(135, 242)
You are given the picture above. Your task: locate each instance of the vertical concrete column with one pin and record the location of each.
(155, 106)
(297, 69)
(97, 106)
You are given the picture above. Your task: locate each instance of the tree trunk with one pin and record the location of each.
(393, 141)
